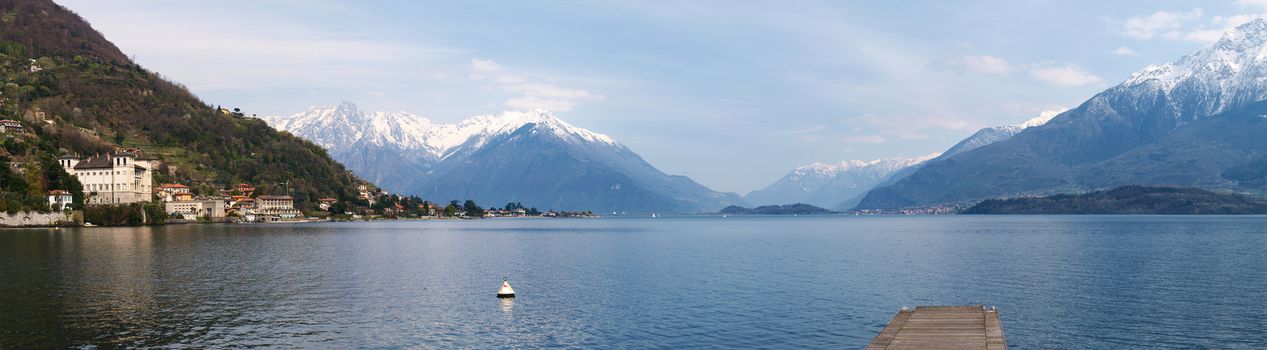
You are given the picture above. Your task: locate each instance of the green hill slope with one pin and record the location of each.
(87, 97)
(1128, 200)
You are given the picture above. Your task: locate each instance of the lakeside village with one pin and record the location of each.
(118, 189)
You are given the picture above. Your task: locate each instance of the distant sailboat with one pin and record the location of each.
(653, 215)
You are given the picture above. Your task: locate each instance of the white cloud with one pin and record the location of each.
(1186, 25)
(803, 131)
(986, 65)
(807, 135)
(479, 66)
(1203, 36)
(1123, 51)
(976, 64)
(533, 102)
(881, 129)
(1219, 25)
(532, 94)
(547, 90)
(1233, 21)
(865, 139)
(1262, 4)
(1146, 27)
(1062, 74)
(215, 49)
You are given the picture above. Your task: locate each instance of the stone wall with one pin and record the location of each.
(30, 219)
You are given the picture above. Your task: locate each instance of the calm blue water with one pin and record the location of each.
(689, 282)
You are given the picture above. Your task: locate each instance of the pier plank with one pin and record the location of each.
(942, 328)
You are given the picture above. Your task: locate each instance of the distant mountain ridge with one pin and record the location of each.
(1154, 128)
(842, 185)
(345, 125)
(1140, 200)
(827, 185)
(780, 209)
(994, 134)
(530, 157)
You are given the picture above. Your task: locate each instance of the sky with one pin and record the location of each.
(731, 94)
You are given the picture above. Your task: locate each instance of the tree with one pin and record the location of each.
(472, 209)
(451, 210)
(339, 207)
(57, 179)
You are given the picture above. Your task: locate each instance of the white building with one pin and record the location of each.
(212, 209)
(59, 200)
(10, 126)
(276, 207)
(267, 202)
(112, 179)
(326, 203)
(175, 192)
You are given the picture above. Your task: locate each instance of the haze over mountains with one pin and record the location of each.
(1194, 122)
(827, 185)
(1188, 123)
(530, 157)
(994, 134)
(841, 186)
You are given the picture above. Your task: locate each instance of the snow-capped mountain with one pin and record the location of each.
(981, 138)
(531, 157)
(376, 146)
(841, 186)
(345, 125)
(994, 134)
(1158, 127)
(827, 185)
(1232, 72)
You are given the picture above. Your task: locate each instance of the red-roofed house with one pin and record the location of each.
(245, 189)
(175, 192)
(7, 126)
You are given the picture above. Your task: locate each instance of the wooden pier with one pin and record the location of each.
(942, 328)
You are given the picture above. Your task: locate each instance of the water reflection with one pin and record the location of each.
(1190, 282)
(507, 305)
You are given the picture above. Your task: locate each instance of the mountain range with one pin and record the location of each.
(827, 185)
(994, 134)
(842, 185)
(1194, 122)
(531, 157)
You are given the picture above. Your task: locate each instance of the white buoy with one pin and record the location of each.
(506, 291)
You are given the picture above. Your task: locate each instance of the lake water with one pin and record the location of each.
(1069, 282)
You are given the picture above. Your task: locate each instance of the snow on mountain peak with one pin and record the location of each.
(345, 125)
(828, 185)
(885, 165)
(1042, 118)
(1229, 69)
(994, 134)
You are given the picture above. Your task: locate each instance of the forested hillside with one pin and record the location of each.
(76, 92)
(1128, 200)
